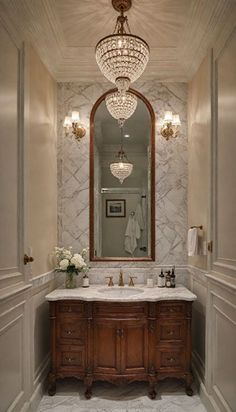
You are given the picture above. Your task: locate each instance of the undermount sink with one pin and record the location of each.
(120, 291)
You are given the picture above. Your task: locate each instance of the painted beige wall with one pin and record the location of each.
(24, 323)
(212, 170)
(226, 150)
(8, 154)
(199, 135)
(42, 166)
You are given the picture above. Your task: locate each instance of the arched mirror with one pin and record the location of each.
(122, 213)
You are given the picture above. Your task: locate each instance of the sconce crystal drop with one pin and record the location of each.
(121, 106)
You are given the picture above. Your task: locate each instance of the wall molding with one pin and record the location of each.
(42, 279)
(219, 263)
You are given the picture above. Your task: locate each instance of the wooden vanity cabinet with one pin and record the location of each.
(120, 342)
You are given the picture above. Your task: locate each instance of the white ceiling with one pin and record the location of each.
(65, 33)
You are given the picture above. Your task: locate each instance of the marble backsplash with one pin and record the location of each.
(171, 174)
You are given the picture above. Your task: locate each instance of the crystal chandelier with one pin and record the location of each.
(121, 56)
(122, 168)
(121, 105)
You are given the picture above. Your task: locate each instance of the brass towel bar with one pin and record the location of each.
(197, 227)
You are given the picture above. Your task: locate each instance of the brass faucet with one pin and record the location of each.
(110, 283)
(131, 280)
(121, 280)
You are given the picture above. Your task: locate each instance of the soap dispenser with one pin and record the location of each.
(168, 279)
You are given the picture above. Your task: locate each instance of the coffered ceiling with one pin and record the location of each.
(65, 32)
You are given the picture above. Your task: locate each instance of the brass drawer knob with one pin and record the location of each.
(170, 332)
(171, 360)
(69, 332)
(70, 359)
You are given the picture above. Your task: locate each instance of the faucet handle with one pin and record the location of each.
(110, 283)
(131, 280)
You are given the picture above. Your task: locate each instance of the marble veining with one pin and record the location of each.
(128, 398)
(171, 171)
(148, 295)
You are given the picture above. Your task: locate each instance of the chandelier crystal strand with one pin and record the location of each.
(121, 105)
(122, 57)
(122, 168)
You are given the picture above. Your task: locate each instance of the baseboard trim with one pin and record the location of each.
(207, 399)
(32, 404)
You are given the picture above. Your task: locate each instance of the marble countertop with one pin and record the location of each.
(147, 294)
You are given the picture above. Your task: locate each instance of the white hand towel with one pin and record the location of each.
(132, 233)
(193, 242)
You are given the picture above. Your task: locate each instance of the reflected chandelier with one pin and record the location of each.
(122, 57)
(122, 168)
(121, 105)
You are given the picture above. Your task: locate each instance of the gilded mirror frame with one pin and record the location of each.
(94, 258)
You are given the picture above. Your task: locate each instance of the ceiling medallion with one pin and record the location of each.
(122, 57)
(121, 105)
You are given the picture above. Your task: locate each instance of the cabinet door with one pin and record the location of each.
(106, 346)
(134, 346)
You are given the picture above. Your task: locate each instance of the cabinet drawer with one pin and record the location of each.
(70, 307)
(71, 356)
(72, 329)
(171, 359)
(171, 309)
(168, 331)
(120, 310)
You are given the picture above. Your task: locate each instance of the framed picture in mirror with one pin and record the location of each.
(115, 208)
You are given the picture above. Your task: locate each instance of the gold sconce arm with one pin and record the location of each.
(171, 126)
(72, 124)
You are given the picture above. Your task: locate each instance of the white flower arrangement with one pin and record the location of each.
(69, 262)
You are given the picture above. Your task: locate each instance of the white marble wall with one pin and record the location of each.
(171, 171)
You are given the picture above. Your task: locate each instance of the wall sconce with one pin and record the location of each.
(73, 122)
(171, 125)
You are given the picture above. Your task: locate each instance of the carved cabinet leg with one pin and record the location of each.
(188, 383)
(152, 392)
(52, 387)
(88, 391)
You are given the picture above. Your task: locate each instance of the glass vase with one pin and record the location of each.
(70, 282)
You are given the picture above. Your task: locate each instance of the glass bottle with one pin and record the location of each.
(172, 280)
(168, 279)
(161, 280)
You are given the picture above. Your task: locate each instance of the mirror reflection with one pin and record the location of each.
(122, 185)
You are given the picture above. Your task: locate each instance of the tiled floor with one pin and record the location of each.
(129, 398)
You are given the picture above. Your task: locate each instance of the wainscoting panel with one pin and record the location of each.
(41, 330)
(12, 348)
(222, 340)
(198, 285)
